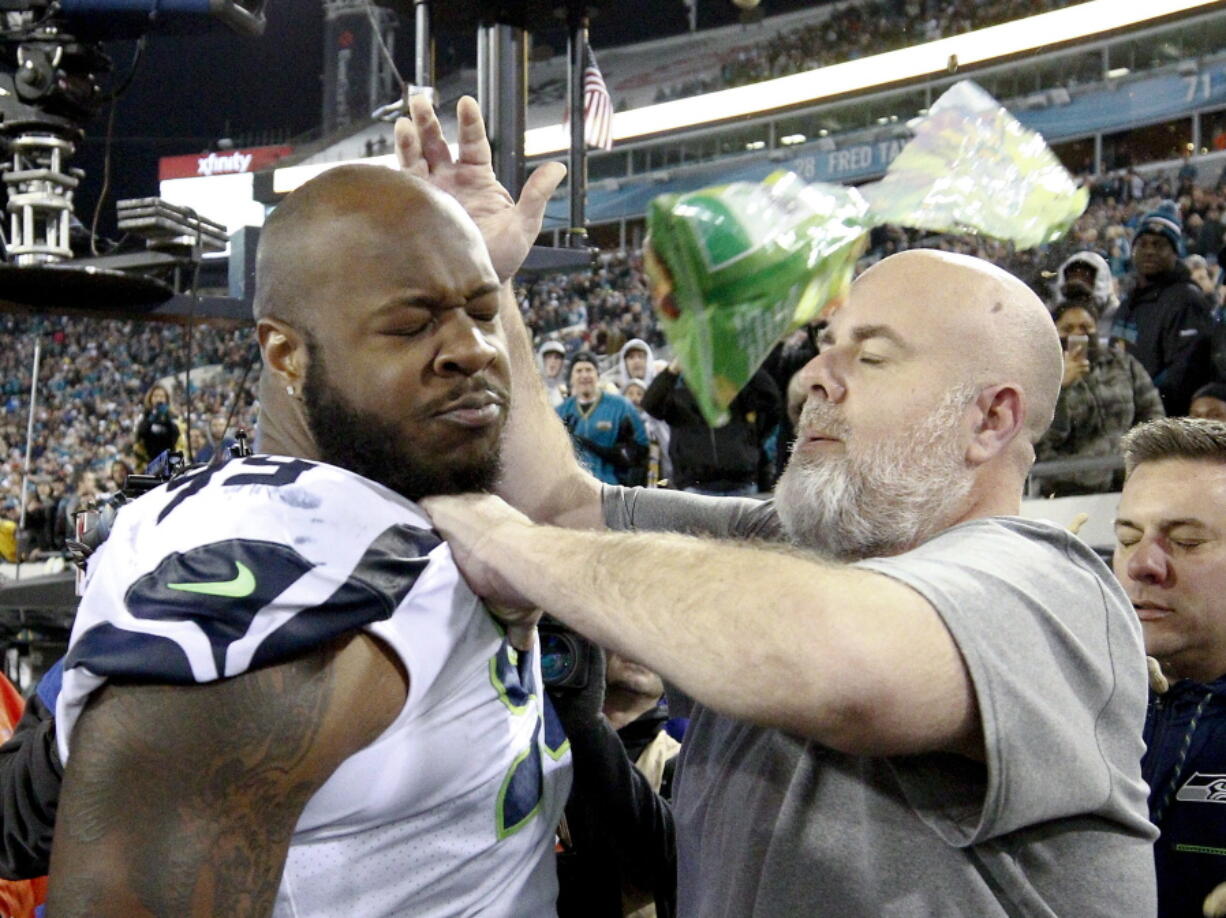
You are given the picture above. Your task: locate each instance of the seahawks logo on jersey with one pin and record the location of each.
(218, 609)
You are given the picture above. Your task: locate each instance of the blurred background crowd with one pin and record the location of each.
(111, 392)
(857, 31)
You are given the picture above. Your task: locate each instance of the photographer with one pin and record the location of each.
(157, 431)
(618, 852)
(1103, 393)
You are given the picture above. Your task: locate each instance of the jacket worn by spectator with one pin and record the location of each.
(1166, 325)
(1092, 415)
(30, 777)
(609, 436)
(1185, 759)
(721, 459)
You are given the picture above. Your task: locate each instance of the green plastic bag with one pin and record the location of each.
(735, 267)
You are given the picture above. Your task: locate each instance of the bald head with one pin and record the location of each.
(373, 289)
(987, 326)
(298, 244)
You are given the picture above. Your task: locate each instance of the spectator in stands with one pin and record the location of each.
(659, 466)
(158, 430)
(197, 441)
(1091, 271)
(1103, 394)
(731, 460)
(84, 489)
(552, 358)
(1209, 402)
(1171, 558)
(1212, 232)
(1187, 173)
(604, 426)
(120, 470)
(1198, 270)
(10, 515)
(1119, 250)
(635, 360)
(217, 442)
(38, 538)
(1164, 322)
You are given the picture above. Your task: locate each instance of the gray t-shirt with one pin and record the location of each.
(1054, 823)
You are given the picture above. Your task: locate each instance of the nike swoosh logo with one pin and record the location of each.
(242, 585)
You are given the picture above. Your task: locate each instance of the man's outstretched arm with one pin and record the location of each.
(541, 476)
(848, 657)
(180, 801)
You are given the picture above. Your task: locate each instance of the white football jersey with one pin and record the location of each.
(452, 810)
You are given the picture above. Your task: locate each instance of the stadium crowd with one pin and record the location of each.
(96, 374)
(983, 745)
(856, 31)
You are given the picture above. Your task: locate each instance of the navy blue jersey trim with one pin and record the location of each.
(378, 584)
(132, 656)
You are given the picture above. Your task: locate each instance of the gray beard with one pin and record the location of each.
(881, 500)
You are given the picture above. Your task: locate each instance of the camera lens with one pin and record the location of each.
(558, 657)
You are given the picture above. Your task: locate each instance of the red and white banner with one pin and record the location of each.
(223, 162)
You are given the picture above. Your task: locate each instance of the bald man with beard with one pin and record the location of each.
(280, 697)
(918, 704)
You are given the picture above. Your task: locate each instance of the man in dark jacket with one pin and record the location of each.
(728, 460)
(1171, 558)
(1165, 321)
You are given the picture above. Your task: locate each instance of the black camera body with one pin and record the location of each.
(93, 521)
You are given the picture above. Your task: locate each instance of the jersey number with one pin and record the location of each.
(523, 787)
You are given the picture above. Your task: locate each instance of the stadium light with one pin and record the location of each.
(1083, 21)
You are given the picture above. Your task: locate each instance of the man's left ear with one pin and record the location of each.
(1001, 413)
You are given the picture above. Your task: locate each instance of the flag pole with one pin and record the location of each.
(25, 471)
(577, 161)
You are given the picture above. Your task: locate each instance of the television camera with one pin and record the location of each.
(51, 58)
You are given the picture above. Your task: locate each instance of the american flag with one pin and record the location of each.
(597, 106)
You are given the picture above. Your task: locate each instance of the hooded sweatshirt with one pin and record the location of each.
(555, 386)
(1104, 293)
(618, 376)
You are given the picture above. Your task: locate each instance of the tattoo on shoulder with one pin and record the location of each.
(211, 780)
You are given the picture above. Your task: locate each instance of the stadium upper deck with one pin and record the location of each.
(852, 137)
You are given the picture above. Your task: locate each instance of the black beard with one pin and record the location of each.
(376, 449)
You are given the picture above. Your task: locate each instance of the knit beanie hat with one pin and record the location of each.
(1164, 222)
(583, 357)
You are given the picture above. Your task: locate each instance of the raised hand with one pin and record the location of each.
(508, 227)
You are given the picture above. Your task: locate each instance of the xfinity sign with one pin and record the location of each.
(228, 162)
(218, 163)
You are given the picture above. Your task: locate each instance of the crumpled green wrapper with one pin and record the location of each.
(735, 267)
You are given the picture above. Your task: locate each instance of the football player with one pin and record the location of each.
(280, 696)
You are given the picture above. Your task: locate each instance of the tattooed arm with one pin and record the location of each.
(180, 801)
